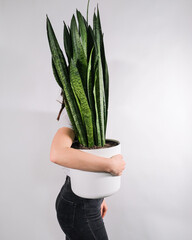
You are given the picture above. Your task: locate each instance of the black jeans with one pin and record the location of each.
(79, 218)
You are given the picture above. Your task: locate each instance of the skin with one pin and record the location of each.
(103, 208)
(62, 154)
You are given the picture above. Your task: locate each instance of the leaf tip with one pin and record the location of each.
(47, 17)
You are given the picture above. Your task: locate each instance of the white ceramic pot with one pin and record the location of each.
(96, 184)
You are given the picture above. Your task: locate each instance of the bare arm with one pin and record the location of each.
(62, 154)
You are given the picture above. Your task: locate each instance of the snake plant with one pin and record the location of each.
(83, 76)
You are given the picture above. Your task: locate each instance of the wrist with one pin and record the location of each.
(107, 165)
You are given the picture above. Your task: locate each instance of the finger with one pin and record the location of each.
(101, 211)
(104, 213)
(105, 210)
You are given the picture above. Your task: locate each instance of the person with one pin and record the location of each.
(80, 218)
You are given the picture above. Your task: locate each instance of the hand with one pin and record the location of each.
(117, 164)
(103, 208)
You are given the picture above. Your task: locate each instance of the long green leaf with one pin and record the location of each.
(77, 86)
(78, 52)
(55, 74)
(100, 91)
(90, 80)
(83, 31)
(74, 124)
(94, 23)
(90, 41)
(105, 68)
(106, 87)
(67, 43)
(79, 104)
(101, 102)
(65, 100)
(96, 97)
(60, 65)
(90, 84)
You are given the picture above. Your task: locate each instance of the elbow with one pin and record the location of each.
(54, 156)
(57, 156)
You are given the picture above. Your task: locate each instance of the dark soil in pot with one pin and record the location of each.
(108, 143)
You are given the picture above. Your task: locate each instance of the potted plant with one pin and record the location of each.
(84, 81)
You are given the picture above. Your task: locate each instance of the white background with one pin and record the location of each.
(149, 54)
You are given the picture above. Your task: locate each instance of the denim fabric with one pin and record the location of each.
(79, 218)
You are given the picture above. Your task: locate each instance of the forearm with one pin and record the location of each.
(77, 159)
